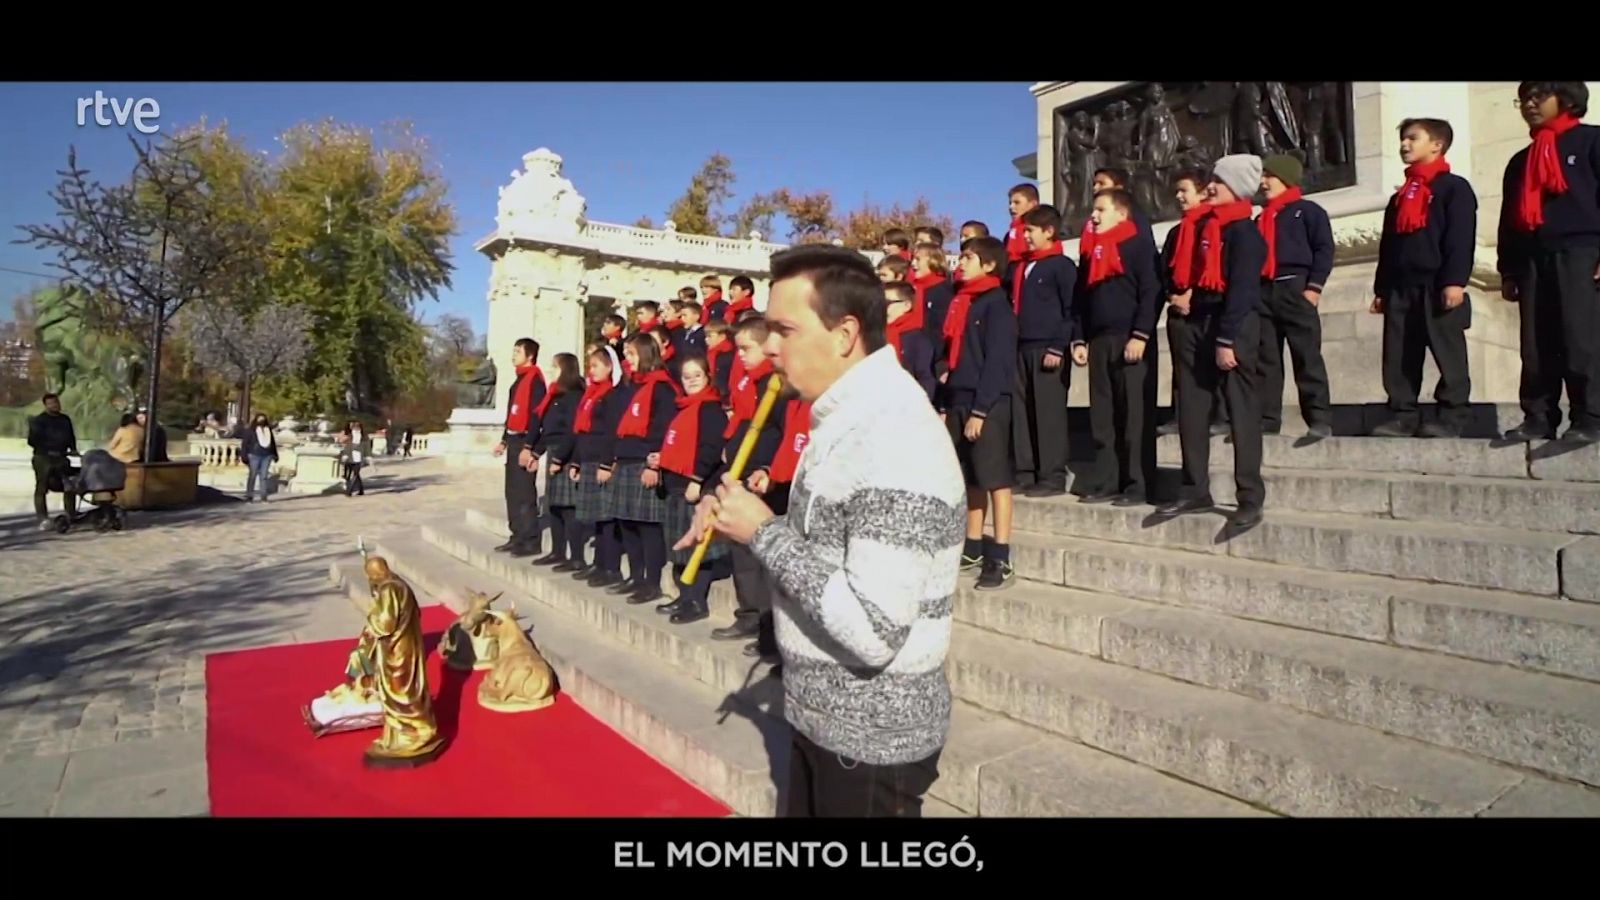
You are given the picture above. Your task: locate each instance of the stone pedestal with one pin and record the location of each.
(473, 434)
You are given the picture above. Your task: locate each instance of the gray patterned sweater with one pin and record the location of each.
(866, 563)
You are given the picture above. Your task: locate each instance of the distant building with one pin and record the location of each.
(14, 356)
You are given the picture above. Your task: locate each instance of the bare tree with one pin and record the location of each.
(243, 347)
(141, 251)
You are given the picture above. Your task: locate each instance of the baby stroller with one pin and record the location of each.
(99, 474)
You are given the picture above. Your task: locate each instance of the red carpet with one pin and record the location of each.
(261, 760)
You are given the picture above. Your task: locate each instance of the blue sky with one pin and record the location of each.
(629, 148)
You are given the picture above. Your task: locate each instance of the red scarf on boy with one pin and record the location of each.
(1411, 209)
(592, 395)
(796, 434)
(1100, 253)
(745, 399)
(731, 316)
(683, 435)
(922, 283)
(1541, 172)
(715, 353)
(955, 321)
(1183, 252)
(636, 421)
(1268, 225)
(1017, 241)
(1212, 277)
(1020, 271)
(520, 416)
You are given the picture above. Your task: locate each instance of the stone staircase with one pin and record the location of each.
(1402, 636)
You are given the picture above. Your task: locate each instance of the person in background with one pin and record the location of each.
(526, 397)
(355, 449)
(904, 333)
(554, 447)
(894, 268)
(897, 245)
(52, 438)
(127, 442)
(690, 454)
(159, 452)
(260, 450)
(1299, 260)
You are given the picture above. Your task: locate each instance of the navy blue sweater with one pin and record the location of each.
(988, 364)
(917, 352)
(1438, 256)
(708, 447)
(663, 406)
(1125, 304)
(766, 442)
(1244, 252)
(1570, 219)
(1047, 319)
(599, 444)
(1305, 243)
(936, 300)
(556, 437)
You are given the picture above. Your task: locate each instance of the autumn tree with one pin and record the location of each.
(698, 211)
(242, 346)
(863, 227)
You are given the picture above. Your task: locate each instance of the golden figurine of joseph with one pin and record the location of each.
(410, 733)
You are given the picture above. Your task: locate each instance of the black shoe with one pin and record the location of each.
(604, 579)
(667, 609)
(1100, 497)
(1245, 519)
(584, 572)
(754, 649)
(623, 588)
(1532, 430)
(550, 559)
(689, 614)
(1041, 491)
(524, 552)
(1587, 434)
(735, 632)
(1268, 430)
(1130, 498)
(1184, 507)
(569, 565)
(1395, 428)
(1439, 430)
(507, 547)
(971, 563)
(1168, 428)
(996, 575)
(649, 593)
(1319, 431)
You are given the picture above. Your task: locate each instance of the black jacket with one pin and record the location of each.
(1126, 304)
(1438, 256)
(1304, 243)
(250, 445)
(936, 301)
(987, 368)
(535, 397)
(917, 352)
(1244, 252)
(51, 434)
(663, 406)
(1570, 219)
(767, 441)
(1047, 318)
(708, 448)
(599, 444)
(555, 435)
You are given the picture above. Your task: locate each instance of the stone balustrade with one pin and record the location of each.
(216, 453)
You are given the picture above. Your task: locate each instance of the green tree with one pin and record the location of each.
(699, 210)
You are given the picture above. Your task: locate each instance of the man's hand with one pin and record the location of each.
(1454, 296)
(760, 481)
(1134, 351)
(1080, 355)
(974, 428)
(1052, 362)
(1377, 306)
(704, 512)
(1312, 296)
(1511, 294)
(1226, 360)
(499, 449)
(738, 514)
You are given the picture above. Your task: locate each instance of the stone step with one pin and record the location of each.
(1472, 556)
(1543, 460)
(1271, 756)
(1527, 719)
(976, 768)
(1528, 632)
(1556, 506)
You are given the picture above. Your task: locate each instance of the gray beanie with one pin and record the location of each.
(1241, 172)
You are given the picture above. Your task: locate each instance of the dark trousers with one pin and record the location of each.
(647, 552)
(1219, 410)
(823, 784)
(1122, 405)
(352, 479)
(564, 532)
(697, 594)
(1040, 434)
(522, 497)
(1414, 323)
(43, 468)
(1290, 318)
(1198, 381)
(754, 593)
(608, 547)
(1560, 311)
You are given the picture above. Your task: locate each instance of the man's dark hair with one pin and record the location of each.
(982, 229)
(742, 281)
(48, 397)
(616, 320)
(895, 264)
(569, 376)
(1043, 217)
(649, 352)
(676, 304)
(935, 233)
(845, 285)
(1119, 177)
(900, 292)
(1573, 95)
(1438, 129)
(1120, 198)
(1194, 175)
(530, 347)
(988, 250)
(898, 237)
(651, 305)
(1026, 190)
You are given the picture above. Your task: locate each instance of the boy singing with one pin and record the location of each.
(1299, 260)
(1041, 297)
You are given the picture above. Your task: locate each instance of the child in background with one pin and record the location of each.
(691, 453)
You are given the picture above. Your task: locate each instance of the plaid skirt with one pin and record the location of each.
(680, 516)
(589, 496)
(630, 501)
(560, 490)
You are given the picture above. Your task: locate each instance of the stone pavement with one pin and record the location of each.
(103, 637)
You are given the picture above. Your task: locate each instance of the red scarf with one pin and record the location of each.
(1101, 255)
(668, 351)
(1268, 225)
(1019, 273)
(903, 254)
(796, 434)
(737, 307)
(519, 416)
(592, 395)
(642, 326)
(683, 436)
(1017, 241)
(745, 398)
(897, 329)
(549, 394)
(1542, 171)
(715, 353)
(1411, 210)
(955, 321)
(674, 324)
(1212, 278)
(636, 422)
(1183, 253)
(922, 283)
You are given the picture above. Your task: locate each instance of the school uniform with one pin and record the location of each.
(694, 341)
(1417, 260)
(1042, 298)
(981, 357)
(715, 306)
(732, 311)
(521, 432)
(690, 454)
(594, 451)
(1178, 275)
(1120, 301)
(1549, 247)
(555, 445)
(917, 353)
(1299, 258)
(1223, 313)
(751, 587)
(640, 510)
(721, 360)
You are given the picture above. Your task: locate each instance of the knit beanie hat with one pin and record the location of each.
(1241, 172)
(1288, 169)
